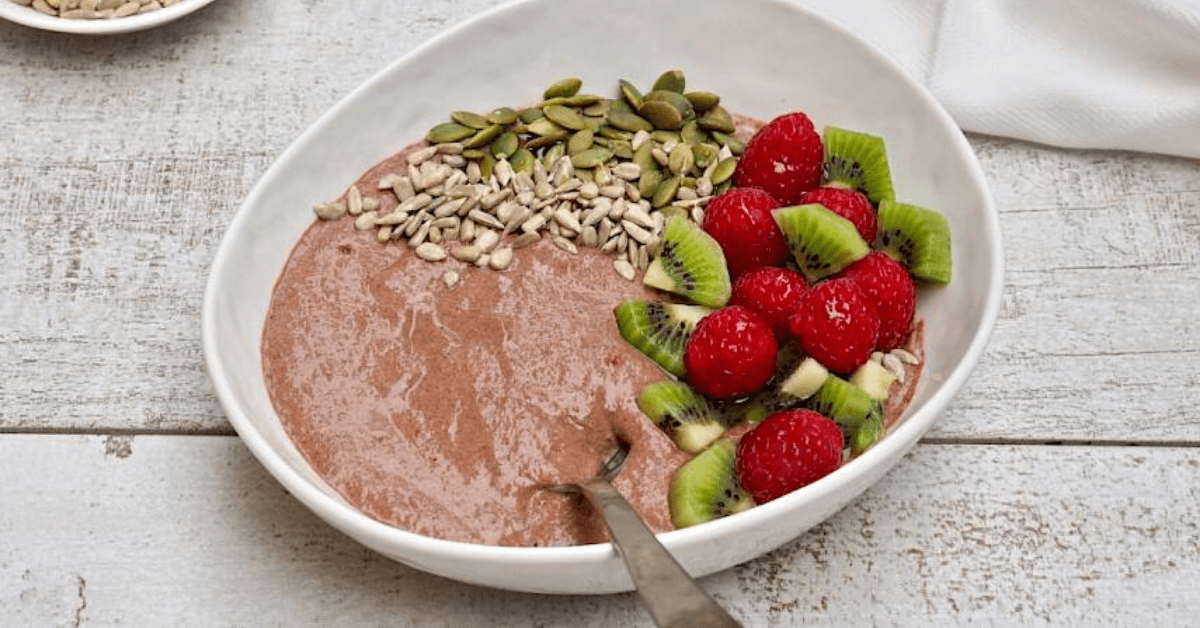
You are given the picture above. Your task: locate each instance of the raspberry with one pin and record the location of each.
(740, 221)
(887, 284)
(784, 158)
(773, 293)
(836, 325)
(787, 451)
(849, 204)
(730, 354)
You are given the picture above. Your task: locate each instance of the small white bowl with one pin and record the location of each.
(764, 58)
(30, 17)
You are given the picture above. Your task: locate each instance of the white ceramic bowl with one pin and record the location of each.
(764, 58)
(36, 19)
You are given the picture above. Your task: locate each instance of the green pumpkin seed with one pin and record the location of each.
(675, 100)
(565, 117)
(484, 137)
(665, 192)
(628, 121)
(486, 166)
(470, 118)
(723, 171)
(735, 145)
(723, 188)
(614, 134)
(688, 182)
(580, 141)
(662, 137)
(622, 149)
(682, 159)
(630, 93)
(546, 140)
(661, 114)
(598, 110)
(705, 153)
(717, 119)
(675, 210)
(544, 126)
(585, 175)
(671, 80)
(553, 154)
(503, 115)
(692, 134)
(448, 132)
(592, 124)
(649, 181)
(582, 100)
(703, 101)
(472, 153)
(505, 145)
(563, 88)
(620, 105)
(522, 160)
(644, 158)
(529, 115)
(591, 157)
(602, 141)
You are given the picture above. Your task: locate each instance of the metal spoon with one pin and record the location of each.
(664, 588)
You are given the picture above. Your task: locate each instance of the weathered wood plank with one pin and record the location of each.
(191, 530)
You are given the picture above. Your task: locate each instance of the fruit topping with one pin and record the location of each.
(837, 325)
(731, 354)
(773, 293)
(873, 379)
(847, 404)
(807, 378)
(917, 237)
(859, 162)
(821, 241)
(784, 158)
(848, 204)
(706, 487)
(659, 330)
(891, 290)
(690, 263)
(740, 220)
(787, 451)
(684, 415)
(866, 434)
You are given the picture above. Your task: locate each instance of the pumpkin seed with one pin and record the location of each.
(703, 101)
(622, 149)
(521, 160)
(448, 132)
(552, 155)
(591, 157)
(661, 114)
(580, 141)
(529, 115)
(603, 141)
(546, 140)
(599, 109)
(484, 137)
(665, 192)
(544, 127)
(564, 116)
(630, 94)
(674, 210)
(472, 153)
(671, 80)
(486, 165)
(581, 100)
(682, 159)
(471, 119)
(675, 100)
(644, 157)
(663, 137)
(628, 121)
(649, 181)
(723, 188)
(704, 153)
(563, 88)
(503, 115)
(735, 145)
(723, 171)
(717, 119)
(592, 124)
(613, 133)
(692, 134)
(620, 105)
(505, 145)
(688, 182)
(585, 175)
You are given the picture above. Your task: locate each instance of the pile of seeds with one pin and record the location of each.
(590, 171)
(894, 361)
(95, 9)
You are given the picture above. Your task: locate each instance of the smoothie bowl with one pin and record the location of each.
(441, 340)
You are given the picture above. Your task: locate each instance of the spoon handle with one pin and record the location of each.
(665, 589)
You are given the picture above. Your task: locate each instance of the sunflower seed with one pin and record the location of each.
(495, 198)
(449, 208)
(466, 253)
(660, 156)
(431, 252)
(466, 232)
(450, 234)
(565, 245)
(639, 138)
(537, 221)
(127, 9)
(624, 269)
(894, 366)
(487, 240)
(329, 211)
(613, 191)
(704, 186)
(473, 173)
(450, 278)
(370, 203)
(686, 194)
(418, 157)
(594, 215)
(611, 245)
(388, 181)
(517, 219)
(638, 216)
(905, 356)
(450, 148)
(525, 239)
(635, 231)
(485, 219)
(697, 215)
(419, 237)
(483, 260)
(365, 221)
(501, 258)
(617, 209)
(565, 218)
(420, 201)
(628, 171)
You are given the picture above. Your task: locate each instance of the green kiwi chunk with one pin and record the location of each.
(706, 487)
(857, 161)
(805, 380)
(875, 380)
(682, 413)
(659, 330)
(917, 237)
(822, 242)
(847, 404)
(691, 264)
(866, 434)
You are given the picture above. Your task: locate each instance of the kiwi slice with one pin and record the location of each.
(691, 264)
(857, 161)
(682, 413)
(847, 404)
(659, 330)
(917, 237)
(779, 395)
(706, 487)
(866, 434)
(822, 242)
(875, 380)
(805, 380)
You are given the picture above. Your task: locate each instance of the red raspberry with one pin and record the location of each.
(887, 284)
(740, 221)
(787, 451)
(773, 293)
(731, 353)
(837, 325)
(784, 158)
(849, 204)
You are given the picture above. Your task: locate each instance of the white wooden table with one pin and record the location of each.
(1061, 487)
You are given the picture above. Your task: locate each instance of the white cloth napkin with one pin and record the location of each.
(1121, 74)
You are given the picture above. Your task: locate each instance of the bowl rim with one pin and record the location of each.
(356, 523)
(28, 16)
